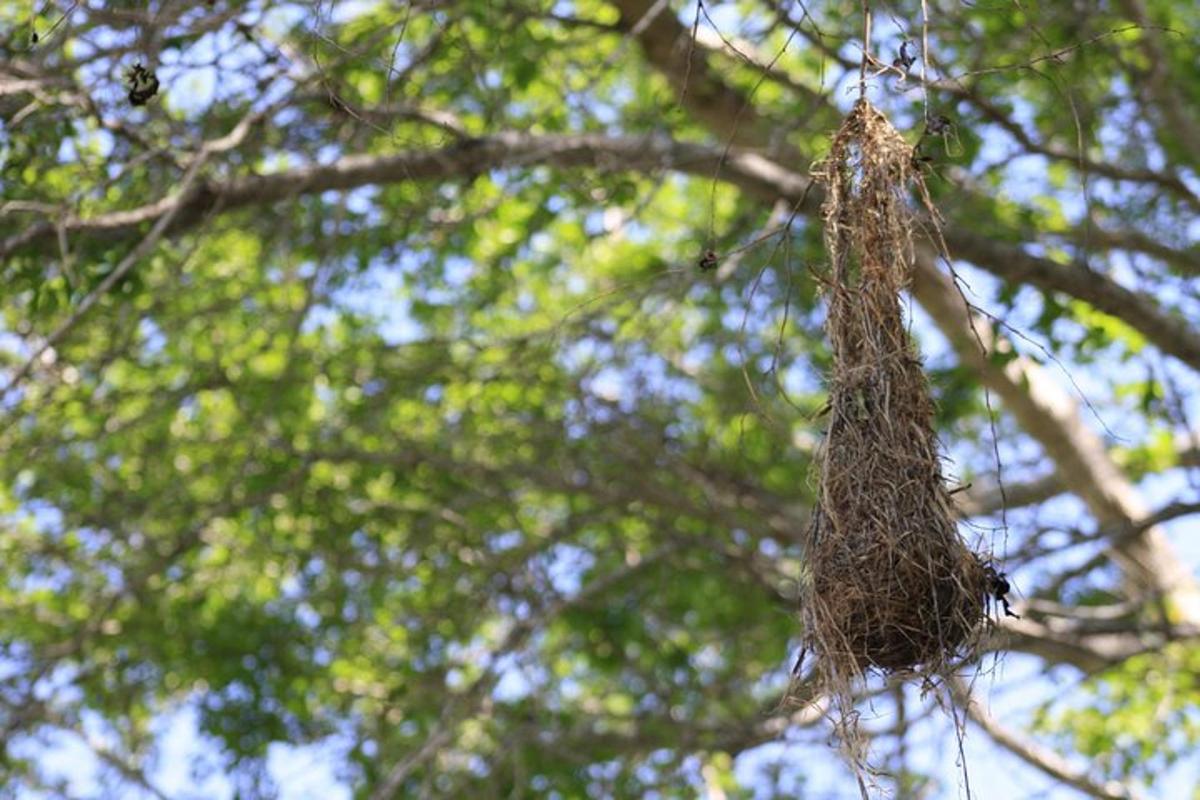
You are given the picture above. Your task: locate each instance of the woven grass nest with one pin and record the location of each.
(890, 587)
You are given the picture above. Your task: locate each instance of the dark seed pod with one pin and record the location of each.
(143, 84)
(938, 125)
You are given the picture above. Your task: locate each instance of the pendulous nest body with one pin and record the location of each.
(891, 586)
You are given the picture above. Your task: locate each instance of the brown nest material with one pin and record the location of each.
(891, 587)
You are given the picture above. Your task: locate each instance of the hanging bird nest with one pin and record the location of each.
(890, 587)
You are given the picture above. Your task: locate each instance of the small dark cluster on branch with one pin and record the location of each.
(938, 125)
(143, 84)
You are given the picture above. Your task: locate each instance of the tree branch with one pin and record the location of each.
(1170, 333)
(1041, 758)
(756, 174)
(1173, 109)
(955, 87)
(730, 115)
(1052, 417)
(985, 498)
(1090, 644)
